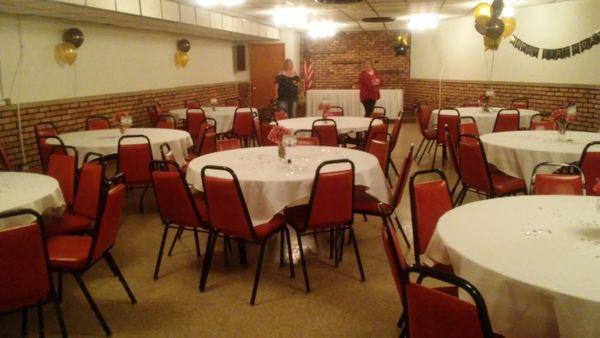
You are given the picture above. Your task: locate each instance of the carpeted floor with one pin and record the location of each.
(339, 305)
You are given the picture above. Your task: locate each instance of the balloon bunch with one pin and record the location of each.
(181, 57)
(489, 23)
(66, 52)
(402, 47)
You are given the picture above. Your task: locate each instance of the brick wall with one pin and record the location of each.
(542, 97)
(70, 114)
(337, 61)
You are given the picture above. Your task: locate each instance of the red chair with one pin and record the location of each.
(507, 120)
(557, 183)
(229, 216)
(192, 104)
(153, 113)
(423, 117)
(330, 209)
(97, 122)
(381, 150)
(307, 141)
(450, 117)
(195, 118)
(44, 131)
(333, 111)
(5, 163)
(590, 164)
(62, 166)
(262, 132)
(476, 175)
(84, 212)
(233, 102)
(428, 202)
(133, 161)
(25, 280)
(178, 208)
(243, 126)
(369, 205)
(378, 112)
(468, 126)
(326, 131)
(280, 114)
(454, 157)
(520, 103)
(166, 121)
(434, 313)
(378, 130)
(209, 143)
(541, 122)
(77, 254)
(45, 148)
(228, 144)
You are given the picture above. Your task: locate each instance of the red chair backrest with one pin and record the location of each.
(45, 148)
(507, 120)
(396, 131)
(448, 117)
(110, 221)
(307, 141)
(243, 123)
(590, 165)
(558, 184)
(403, 178)
(472, 164)
(377, 131)
(175, 203)
(134, 159)
(209, 143)
(331, 201)
(326, 132)
(280, 115)
(432, 313)
(192, 104)
(4, 160)
(262, 132)
(332, 113)
(394, 255)
(194, 123)
(63, 168)
(378, 112)
(166, 122)
(429, 201)
(89, 190)
(467, 126)
(228, 144)
(97, 123)
(381, 150)
(227, 210)
(25, 278)
(153, 114)
(451, 143)
(424, 117)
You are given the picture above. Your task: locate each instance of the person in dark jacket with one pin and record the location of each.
(286, 88)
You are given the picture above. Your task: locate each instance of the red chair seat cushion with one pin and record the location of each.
(69, 252)
(430, 134)
(367, 204)
(66, 224)
(506, 185)
(268, 228)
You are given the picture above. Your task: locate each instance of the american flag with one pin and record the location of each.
(307, 74)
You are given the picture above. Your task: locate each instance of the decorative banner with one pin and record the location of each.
(556, 53)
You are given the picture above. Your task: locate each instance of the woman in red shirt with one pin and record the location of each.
(369, 82)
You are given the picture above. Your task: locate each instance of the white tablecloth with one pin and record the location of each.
(269, 184)
(517, 153)
(105, 142)
(349, 99)
(485, 120)
(26, 190)
(345, 124)
(223, 116)
(535, 259)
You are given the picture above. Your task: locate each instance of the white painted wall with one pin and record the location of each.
(454, 50)
(111, 60)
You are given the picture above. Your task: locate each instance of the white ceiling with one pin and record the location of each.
(349, 16)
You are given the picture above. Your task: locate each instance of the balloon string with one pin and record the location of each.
(492, 69)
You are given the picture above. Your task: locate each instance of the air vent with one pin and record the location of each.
(379, 19)
(337, 2)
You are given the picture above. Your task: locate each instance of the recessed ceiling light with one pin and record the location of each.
(422, 21)
(379, 19)
(292, 17)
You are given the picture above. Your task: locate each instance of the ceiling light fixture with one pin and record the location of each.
(292, 17)
(321, 29)
(422, 21)
(379, 19)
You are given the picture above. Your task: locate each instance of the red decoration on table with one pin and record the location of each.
(561, 116)
(276, 134)
(119, 115)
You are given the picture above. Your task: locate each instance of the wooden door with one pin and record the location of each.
(266, 60)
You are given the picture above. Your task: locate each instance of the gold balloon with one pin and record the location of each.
(403, 38)
(481, 23)
(491, 44)
(66, 53)
(482, 8)
(509, 26)
(181, 59)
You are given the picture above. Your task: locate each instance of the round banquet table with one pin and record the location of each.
(105, 141)
(269, 184)
(518, 152)
(485, 120)
(29, 191)
(223, 116)
(537, 266)
(345, 124)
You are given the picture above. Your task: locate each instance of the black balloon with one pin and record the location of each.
(73, 36)
(401, 49)
(495, 28)
(497, 7)
(184, 45)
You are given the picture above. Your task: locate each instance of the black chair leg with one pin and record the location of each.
(290, 257)
(115, 268)
(93, 305)
(434, 155)
(24, 322)
(365, 217)
(423, 152)
(418, 150)
(281, 235)
(142, 199)
(394, 168)
(461, 196)
(60, 319)
(341, 246)
(225, 251)
(60, 287)
(357, 254)
(197, 243)
(242, 250)
(178, 234)
(401, 229)
(160, 251)
(303, 261)
(40, 313)
(454, 187)
(261, 255)
(210, 248)
(330, 243)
